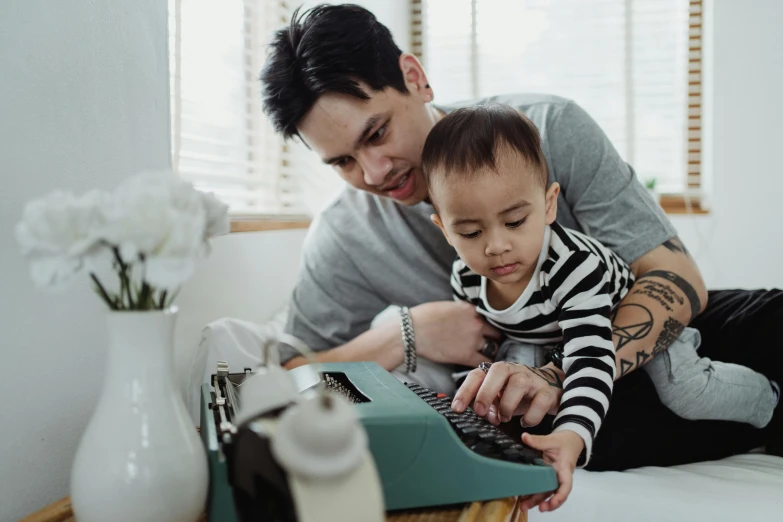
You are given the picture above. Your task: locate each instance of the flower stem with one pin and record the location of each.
(103, 293)
(171, 301)
(125, 284)
(143, 301)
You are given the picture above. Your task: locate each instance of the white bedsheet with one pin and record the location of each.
(743, 488)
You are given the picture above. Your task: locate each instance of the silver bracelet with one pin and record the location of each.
(408, 339)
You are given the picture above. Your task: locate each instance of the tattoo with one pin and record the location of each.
(676, 246)
(683, 285)
(663, 293)
(641, 357)
(634, 331)
(672, 329)
(626, 365)
(549, 375)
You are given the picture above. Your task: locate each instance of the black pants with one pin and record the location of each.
(738, 326)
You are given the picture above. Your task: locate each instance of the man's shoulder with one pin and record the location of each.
(352, 216)
(350, 204)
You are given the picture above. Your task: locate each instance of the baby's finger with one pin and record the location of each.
(566, 480)
(533, 500)
(540, 442)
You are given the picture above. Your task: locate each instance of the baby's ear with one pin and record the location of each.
(436, 219)
(551, 202)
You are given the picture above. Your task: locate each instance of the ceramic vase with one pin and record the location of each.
(140, 458)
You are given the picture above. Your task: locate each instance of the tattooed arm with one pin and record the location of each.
(667, 295)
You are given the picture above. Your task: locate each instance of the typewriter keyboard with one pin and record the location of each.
(477, 433)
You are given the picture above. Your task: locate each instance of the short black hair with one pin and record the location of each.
(326, 49)
(468, 139)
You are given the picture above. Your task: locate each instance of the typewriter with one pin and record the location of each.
(425, 454)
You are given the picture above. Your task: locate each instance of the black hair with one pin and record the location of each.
(327, 49)
(468, 139)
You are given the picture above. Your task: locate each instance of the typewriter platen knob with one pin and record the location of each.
(320, 437)
(267, 390)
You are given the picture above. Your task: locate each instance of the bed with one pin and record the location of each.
(747, 488)
(742, 488)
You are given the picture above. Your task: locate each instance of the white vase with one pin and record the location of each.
(140, 458)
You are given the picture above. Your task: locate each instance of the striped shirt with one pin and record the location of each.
(576, 284)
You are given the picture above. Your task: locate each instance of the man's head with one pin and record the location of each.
(336, 79)
(488, 179)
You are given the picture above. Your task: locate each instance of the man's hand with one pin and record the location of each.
(451, 332)
(561, 449)
(510, 389)
(446, 332)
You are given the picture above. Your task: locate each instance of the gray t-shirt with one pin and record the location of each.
(366, 252)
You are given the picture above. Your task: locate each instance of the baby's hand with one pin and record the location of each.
(561, 449)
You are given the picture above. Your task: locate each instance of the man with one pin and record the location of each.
(336, 79)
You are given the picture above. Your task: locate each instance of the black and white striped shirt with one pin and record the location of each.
(576, 284)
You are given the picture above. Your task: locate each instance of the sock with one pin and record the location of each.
(774, 444)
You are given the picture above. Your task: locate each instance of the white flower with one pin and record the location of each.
(161, 219)
(60, 233)
(218, 222)
(145, 209)
(168, 222)
(152, 229)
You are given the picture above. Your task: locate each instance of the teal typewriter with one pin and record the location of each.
(426, 454)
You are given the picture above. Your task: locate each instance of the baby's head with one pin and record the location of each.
(488, 180)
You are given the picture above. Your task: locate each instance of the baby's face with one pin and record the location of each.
(496, 221)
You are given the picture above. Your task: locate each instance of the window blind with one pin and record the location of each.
(695, 67)
(634, 65)
(221, 140)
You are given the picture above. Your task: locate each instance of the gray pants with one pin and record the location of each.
(693, 387)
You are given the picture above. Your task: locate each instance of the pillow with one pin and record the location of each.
(236, 341)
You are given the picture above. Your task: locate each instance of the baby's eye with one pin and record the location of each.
(342, 162)
(377, 135)
(472, 235)
(515, 224)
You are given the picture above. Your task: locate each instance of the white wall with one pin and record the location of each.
(83, 102)
(248, 276)
(740, 244)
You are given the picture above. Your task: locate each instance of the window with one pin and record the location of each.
(221, 140)
(634, 65)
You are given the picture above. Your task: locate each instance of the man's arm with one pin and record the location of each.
(333, 306)
(332, 303)
(667, 294)
(446, 332)
(382, 344)
(611, 205)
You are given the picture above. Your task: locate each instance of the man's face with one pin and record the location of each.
(375, 144)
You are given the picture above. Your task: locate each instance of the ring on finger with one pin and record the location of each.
(484, 366)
